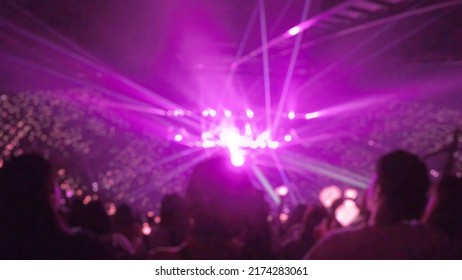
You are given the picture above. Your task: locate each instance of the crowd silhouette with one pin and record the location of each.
(222, 216)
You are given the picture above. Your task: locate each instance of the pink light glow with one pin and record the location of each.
(288, 138)
(347, 213)
(237, 159)
(178, 138)
(228, 113)
(313, 115)
(294, 30)
(328, 195)
(212, 113)
(250, 114)
(205, 113)
(283, 217)
(351, 194)
(291, 115)
(273, 144)
(146, 229)
(282, 191)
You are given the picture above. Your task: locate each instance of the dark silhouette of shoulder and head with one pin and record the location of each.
(396, 201)
(29, 225)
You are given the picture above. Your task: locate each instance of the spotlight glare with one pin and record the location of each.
(178, 138)
(237, 159)
(250, 114)
(205, 113)
(288, 138)
(282, 191)
(291, 115)
(294, 30)
(228, 113)
(212, 113)
(313, 115)
(273, 144)
(328, 195)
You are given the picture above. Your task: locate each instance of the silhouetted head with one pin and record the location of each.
(96, 219)
(172, 210)
(445, 207)
(401, 187)
(224, 205)
(124, 215)
(26, 188)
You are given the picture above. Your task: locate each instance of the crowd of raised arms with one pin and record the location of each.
(222, 216)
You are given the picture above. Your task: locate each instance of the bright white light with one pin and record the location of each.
(237, 160)
(250, 114)
(248, 129)
(212, 113)
(294, 30)
(178, 138)
(347, 213)
(228, 113)
(178, 112)
(329, 194)
(313, 115)
(146, 229)
(273, 144)
(291, 115)
(351, 193)
(282, 191)
(205, 113)
(288, 138)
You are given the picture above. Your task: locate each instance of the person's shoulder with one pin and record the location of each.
(330, 245)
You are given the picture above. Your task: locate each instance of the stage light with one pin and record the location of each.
(351, 194)
(228, 113)
(178, 138)
(291, 115)
(283, 218)
(212, 113)
(237, 159)
(294, 30)
(282, 191)
(205, 113)
(313, 115)
(250, 114)
(328, 195)
(288, 138)
(146, 229)
(273, 144)
(347, 212)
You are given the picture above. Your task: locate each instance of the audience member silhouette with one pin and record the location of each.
(229, 217)
(396, 200)
(29, 224)
(173, 223)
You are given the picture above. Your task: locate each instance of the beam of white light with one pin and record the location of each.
(265, 183)
(291, 68)
(367, 25)
(177, 156)
(302, 26)
(266, 70)
(140, 92)
(327, 170)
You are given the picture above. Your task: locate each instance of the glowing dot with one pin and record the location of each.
(351, 194)
(313, 115)
(212, 113)
(61, 172)
(69, 193)
(347, 212)
(237, 159)
(86, 200)
(111, 209)
(434, 173)
(329, 194)
(157, 220)
(294, 30)
(250, 114)
(178, 138)
(283, 217)
(291, 115)
(273, 144)
(146, 229)
(79, 192)
(282, 191)
(150, 214)
(205, 113)
(228, 113)
(288, 138)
